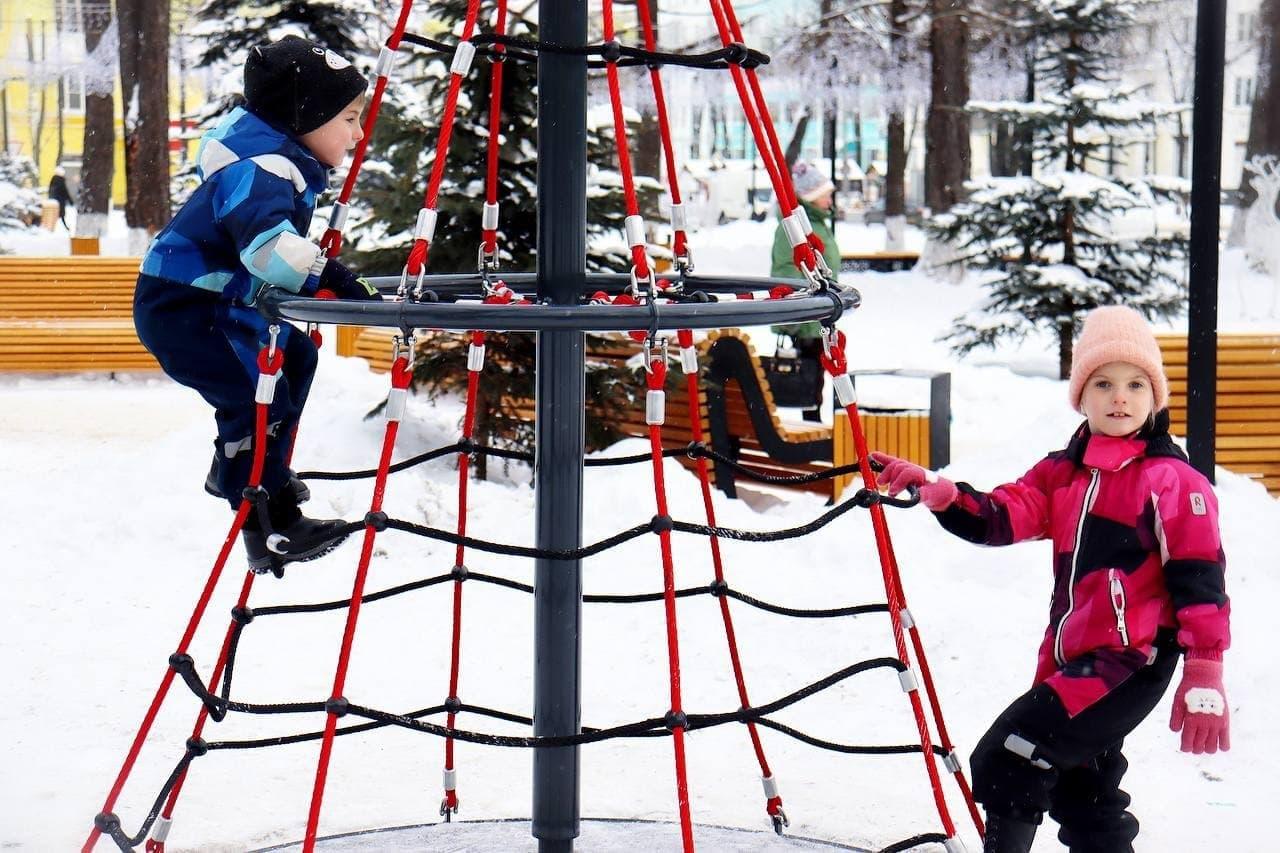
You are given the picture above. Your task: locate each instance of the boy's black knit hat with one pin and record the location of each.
(297, 85)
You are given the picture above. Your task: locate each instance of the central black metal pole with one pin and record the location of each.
(1206, 180)
(561, 423)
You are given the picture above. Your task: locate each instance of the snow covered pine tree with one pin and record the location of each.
(389, 194)
(1066, 240)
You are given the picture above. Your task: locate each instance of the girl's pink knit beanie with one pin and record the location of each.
(1116, 333)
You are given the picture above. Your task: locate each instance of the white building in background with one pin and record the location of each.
(1162, 69)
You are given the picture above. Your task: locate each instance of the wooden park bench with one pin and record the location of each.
(878, 261)
(737, 412)
(1247, 431)
(69, 314)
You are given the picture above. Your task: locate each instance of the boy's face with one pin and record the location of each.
(1117, 399)
(331, 141)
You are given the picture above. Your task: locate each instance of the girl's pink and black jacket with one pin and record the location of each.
(1137, 555)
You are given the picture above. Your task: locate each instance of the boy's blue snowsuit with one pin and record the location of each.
(244, 227)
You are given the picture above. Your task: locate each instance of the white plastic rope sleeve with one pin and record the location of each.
(395, 403)
(634, 226)
(426, 226)
(386, 61)
(795, 231)
(462, 58)
(655, 407)
(843, 386)
(679, 218)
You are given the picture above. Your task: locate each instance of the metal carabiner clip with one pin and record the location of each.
(402, 346)
(654, 346)
(684, 262)
(634, 288)
(830, 338)
(274, 331)
(486, 262)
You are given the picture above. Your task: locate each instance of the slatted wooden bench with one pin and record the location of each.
(736, 410)
(1248, 401)
(878, 261)
(65, 315)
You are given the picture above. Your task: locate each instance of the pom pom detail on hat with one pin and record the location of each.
(1116, 333)
(298, 86)
(810, 184)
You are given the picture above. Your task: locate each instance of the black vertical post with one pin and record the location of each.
(1206, 181)
(561, 417)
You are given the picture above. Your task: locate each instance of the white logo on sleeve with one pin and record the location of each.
(1198, 506)
(1204, 700)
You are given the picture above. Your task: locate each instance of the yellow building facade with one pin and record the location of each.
(42, 97)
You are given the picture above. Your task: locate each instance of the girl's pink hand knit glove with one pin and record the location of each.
(1200, 705)
(937, 493)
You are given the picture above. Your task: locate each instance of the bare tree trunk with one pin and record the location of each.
(1264, 118)
(1066, 336)
(797, 138)
(35, 93)
(98, 161)
(947, 127)
(144, 79)
(895, 196)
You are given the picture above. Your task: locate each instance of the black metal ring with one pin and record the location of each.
(470, 314)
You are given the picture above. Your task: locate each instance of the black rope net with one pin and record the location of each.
(357, 718)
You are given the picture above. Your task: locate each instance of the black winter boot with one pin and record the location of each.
(1008, 834)
(292, 538)
(302, 493)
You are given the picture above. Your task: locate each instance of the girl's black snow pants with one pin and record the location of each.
(1036, 758)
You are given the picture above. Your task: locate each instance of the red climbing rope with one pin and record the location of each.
(331, 243)
(952, 760)
(761, 125)
(833, 359)
(475, 363)
(689, 363)
(270, 362)
(762, 108)
(400, 375)
(655, 405)
(425, 229)
(680, 239)
(634, 224)
(489, 216)
(160, 832)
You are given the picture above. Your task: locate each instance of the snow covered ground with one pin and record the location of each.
(108, 537)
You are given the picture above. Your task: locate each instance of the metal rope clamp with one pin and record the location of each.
(487, 262)
(403, 290)
(652, 347)
(635, 289)
(683, 262)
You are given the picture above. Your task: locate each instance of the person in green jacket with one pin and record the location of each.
(815, 191)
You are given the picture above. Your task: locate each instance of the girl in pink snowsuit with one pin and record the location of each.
(1138, 582)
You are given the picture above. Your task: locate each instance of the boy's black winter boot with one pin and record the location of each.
(302, 493)
(1007, 834)
(292, 538)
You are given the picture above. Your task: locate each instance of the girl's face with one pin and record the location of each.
(1117, 399)
(331, 141)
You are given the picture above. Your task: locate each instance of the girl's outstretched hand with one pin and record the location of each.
(937, 493)
(1200, 706)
